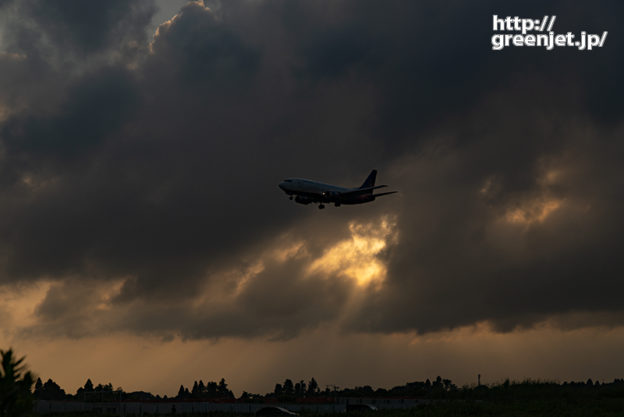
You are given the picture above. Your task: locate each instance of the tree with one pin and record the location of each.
(38, 386)
(88, 386)
(313, 387)
(83, 391)
(104, 388)
(50, 391)
(448, 385)
(300, 388)
(288, 387)
(223, 390)
(211, 389)
(16, 382)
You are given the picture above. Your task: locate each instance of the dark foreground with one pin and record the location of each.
(605, 407)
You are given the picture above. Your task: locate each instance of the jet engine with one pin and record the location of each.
(329, 196)
(302, 199)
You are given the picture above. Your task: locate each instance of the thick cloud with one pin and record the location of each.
(512, 247)
(76, 29)
(144, 175)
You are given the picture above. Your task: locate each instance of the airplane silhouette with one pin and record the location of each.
(307, 191)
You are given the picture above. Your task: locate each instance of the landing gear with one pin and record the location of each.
(321, 206)
(290, 197)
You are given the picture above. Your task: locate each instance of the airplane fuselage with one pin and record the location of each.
(310, 191)
(307, 191)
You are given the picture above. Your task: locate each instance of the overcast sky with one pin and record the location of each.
(144, 241)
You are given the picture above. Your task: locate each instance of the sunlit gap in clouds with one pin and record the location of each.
(357, 257)
(531, 209)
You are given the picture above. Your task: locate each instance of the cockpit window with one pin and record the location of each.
(287, 180)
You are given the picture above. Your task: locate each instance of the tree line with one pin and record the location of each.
(302, 391)
(19, 389)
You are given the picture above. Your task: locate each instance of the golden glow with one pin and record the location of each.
(533, 211)
(247, 275)
(487, 186)
(552, 176)
(280, 254)
(37, 183)
(109, 291)
(329, 355)
(12, 56)
(18, 303)
(356, 257)
(4, 113)
(294, 250)
(167, 24)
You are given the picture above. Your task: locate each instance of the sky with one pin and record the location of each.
(144, 241)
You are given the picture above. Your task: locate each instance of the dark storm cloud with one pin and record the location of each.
(156, 167)
(77, 27)
(472, 264)
(278, 302)
(98, 104)
(203, 51)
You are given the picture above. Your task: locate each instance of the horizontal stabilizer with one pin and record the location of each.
(386, 193)
(362, 190)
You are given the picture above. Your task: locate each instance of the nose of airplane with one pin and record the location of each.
(282, 185)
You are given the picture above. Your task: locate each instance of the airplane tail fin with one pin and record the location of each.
(370, 180)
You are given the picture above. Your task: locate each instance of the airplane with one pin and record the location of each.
(308, 191)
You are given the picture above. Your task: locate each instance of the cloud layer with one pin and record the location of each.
(138, 176)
